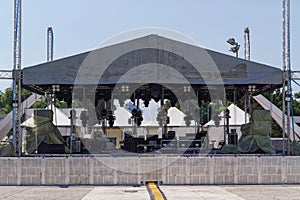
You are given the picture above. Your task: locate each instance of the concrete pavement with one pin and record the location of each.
(118, 192)
(198, 192)
(244, 192)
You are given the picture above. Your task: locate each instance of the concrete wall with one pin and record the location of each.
(169, 170)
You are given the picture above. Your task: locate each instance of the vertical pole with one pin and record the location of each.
(164, 128)
(225, 126)
(290, 71)
(134, 121)
(17, 135)
(286, 89)
(247, 43)
(50, 44)
(198, 115)
(50, 58)
(224, 117)
(234, 96)
(104, 122)
(249, 104)
(245, 106)
(208, 114)
(284, 82)
(85, 106)
(271, 109)
(289, 75)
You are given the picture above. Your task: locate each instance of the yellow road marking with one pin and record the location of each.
(155, 191)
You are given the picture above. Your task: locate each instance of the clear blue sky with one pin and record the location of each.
(81, 25)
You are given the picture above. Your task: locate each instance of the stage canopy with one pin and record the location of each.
(150, 60)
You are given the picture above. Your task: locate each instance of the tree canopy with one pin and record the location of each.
(277, 100)
(6, 99)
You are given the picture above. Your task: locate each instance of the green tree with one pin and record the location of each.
(56, 103)
(297, 95)
(6, 99)
(60, 104)
(167, 105)
(277, 100)
(40, 104)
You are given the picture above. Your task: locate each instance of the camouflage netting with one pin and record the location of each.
(255, 135)
(7, 150)
(43, 130)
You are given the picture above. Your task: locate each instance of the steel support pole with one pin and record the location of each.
(286, 89)
(245, 106)
(50, 44)
(17, 135)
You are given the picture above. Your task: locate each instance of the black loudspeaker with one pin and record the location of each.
(51, 148)
(171, 135)
(233, 137)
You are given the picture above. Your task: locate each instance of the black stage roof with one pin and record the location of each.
(148, 60)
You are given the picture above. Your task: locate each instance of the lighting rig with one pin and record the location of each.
(137, 116)
(162, 118)
(235, 46)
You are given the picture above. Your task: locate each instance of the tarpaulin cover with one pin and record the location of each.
(255, 135)
(7, 150)
(296, 148)
(43, 130)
